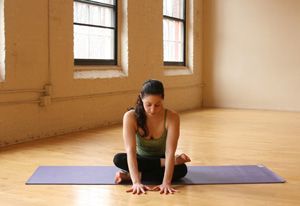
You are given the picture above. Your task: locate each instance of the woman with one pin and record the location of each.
(150, 134)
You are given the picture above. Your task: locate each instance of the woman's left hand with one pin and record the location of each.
(164, 189)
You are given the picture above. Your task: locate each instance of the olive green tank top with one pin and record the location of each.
(152, 147)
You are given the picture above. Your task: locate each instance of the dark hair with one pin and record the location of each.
(150, 87)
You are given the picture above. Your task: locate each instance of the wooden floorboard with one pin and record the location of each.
(208, 136)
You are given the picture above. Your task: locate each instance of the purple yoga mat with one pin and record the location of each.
(104, 175)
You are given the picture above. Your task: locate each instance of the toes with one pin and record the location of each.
(118, 179)
(182, 158)
(185, 157)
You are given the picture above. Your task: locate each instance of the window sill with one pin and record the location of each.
(92, 73)
(177, 70)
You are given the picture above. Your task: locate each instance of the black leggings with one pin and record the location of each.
(150, 167)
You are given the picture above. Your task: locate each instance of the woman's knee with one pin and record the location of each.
(184, 169)
(180, 171)
(119, 159)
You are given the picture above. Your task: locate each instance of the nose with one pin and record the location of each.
(152, 109)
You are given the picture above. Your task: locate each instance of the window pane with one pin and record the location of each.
(174, 8)
(93, 14)
(173, 40)
(93, 43)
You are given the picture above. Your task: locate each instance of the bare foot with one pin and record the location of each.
(182, 158)
(121, 176)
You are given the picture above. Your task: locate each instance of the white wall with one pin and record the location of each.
(252, 54)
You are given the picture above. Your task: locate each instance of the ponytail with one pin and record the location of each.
(141, 116)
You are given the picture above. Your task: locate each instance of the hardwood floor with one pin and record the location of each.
(208, 136)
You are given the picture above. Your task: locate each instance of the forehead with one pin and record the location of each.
(152, 99)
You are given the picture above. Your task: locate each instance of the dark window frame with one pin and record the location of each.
(179, 63)
(114, 61)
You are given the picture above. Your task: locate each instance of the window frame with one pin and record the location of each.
(178, 63)
(97, 62)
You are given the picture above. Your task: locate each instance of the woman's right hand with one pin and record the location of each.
(138, 188)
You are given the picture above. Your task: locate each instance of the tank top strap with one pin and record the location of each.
(165, 118)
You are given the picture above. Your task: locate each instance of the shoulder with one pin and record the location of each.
(172, 117)
(129, 115)
(172, 114)
(129, 118)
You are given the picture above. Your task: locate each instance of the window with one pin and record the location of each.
(95, 32)
(2, 42)
(174, 32)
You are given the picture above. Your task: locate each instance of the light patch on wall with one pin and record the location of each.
(2, 42)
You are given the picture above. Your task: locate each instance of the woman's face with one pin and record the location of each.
(153, 104)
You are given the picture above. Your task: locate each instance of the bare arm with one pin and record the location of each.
(171, 145)
(129, 130)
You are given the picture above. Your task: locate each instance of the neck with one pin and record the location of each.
(157, 116)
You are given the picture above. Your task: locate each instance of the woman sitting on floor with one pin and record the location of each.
(150, 134)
